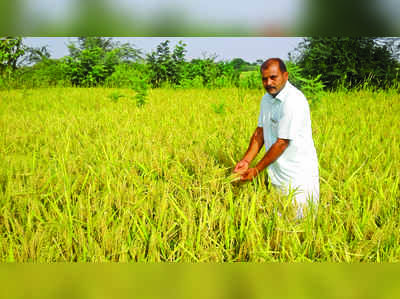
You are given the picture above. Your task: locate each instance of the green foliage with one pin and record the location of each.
(238, 63)
(115, 96)
(204, 68)
(15, 59)
(241, 65)
(48, 72)
(11, 49)
(124, 74)
(312, 88)
(347, 61)
(250, 80)
(213, 74)
(221, 82)
(99, 61)
(166, 67)
(219, 108)
(196, 82)
(91, 67)
(141, 88)
(227, 72)
(94, 59)
(28, 67)
(34, 55)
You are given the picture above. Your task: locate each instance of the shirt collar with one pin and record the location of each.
(284, 93)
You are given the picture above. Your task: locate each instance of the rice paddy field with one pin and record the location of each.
(88, 176)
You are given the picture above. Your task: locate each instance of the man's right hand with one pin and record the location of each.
(241, 166)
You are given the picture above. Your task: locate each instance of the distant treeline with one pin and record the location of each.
(99, 61)
(318, 63)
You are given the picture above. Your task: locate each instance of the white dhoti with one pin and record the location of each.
(305, 195)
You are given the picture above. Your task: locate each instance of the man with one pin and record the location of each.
(284, 126)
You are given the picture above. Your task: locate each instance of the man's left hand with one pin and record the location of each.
(249, 174)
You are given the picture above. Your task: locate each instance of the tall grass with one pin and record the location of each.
(87, 178)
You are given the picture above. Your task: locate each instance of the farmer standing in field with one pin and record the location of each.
(284, 126)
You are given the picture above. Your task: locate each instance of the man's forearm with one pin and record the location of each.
(256, 142)
(272, 154)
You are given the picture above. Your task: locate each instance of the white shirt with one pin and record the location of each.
(288, 117)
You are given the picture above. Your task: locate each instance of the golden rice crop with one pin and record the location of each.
(85, 177)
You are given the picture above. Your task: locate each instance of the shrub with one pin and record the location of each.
(124, 74)
(140, 87)
(347, 61)
(312, 88)
(250, 80)
(94, 59)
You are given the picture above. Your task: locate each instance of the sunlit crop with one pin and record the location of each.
(87, 175)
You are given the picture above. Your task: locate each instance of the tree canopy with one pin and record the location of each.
(11, 49)
(93, 59)
(349, 61)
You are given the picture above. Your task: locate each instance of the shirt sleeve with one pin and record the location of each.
(292, 119)
(260, 122)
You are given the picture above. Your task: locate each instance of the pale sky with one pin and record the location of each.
(252, 13)
(226, 48)
(196, 18)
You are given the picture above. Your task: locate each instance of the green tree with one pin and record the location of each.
(14, 53)
(238, 63)
(93, 59)
(346, 61)
(178, 59)
(206, 69)
(34, 55)
(11, 50)
(165, 66)
(25, 66)
(159, 62)
(242, 65)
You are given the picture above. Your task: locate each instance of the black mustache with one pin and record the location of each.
(269, 87)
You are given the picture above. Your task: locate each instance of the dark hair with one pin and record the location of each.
(268, 62)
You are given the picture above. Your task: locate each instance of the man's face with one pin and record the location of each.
(273, 79)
